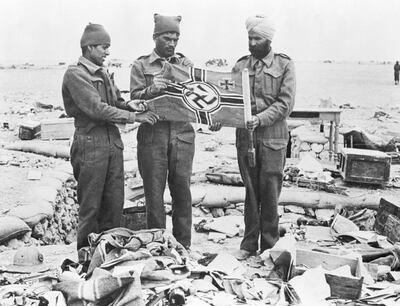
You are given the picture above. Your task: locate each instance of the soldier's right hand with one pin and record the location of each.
(159, 84)
(147, 117)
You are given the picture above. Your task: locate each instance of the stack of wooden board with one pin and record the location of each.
(60, 128)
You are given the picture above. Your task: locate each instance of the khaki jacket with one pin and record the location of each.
(272, 89)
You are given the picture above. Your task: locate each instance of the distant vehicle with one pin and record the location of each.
(219, 62)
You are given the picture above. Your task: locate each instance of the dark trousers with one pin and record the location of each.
(165, 152)
(263, 186)
(97, 161)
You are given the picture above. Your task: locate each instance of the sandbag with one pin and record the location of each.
(213, 195)
(12, 227)
(225, 178)
(32, 214)
(42, 148)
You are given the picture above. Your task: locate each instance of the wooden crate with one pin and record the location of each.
(61, 128)
(387, 221)
(344, 287)
(364, 166)
(306, 259)
(28, 129)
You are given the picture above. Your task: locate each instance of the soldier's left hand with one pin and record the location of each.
(253, 123)
(137, 105)
(215, 127)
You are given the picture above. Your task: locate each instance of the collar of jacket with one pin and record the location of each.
(267, 60)
(90, 66)
(154, 57)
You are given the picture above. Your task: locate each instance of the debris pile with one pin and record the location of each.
(336, 248)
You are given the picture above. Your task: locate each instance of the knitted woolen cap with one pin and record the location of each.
(95, 34)
(164, 24)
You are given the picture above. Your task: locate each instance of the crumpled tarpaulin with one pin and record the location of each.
(122, 263)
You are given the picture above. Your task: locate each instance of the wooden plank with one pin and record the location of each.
(61, 128)
(318, 110)
(387, 220)
(312, 259)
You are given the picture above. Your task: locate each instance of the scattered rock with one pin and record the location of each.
(217, 212)
(381, 114)
(346, 106)
(15, 243)
(26, 238)
(211, 146)
(217, 237)
(233, 212)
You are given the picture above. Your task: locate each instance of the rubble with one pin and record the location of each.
(330, 236)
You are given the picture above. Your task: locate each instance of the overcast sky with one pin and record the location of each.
(50, 30)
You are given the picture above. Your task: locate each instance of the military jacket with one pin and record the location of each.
(272, 90)
(144, 68)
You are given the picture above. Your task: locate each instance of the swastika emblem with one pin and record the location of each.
(201, 96)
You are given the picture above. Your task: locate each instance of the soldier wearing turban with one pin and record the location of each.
(272, 83)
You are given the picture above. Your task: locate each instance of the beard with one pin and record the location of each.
(261, 50)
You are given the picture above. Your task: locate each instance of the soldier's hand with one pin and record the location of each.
(253, 123)
(159, 84)
(215, 127)
(137, 105)
(147, 117)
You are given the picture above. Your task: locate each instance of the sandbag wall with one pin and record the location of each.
(61, 227)
(47, 215)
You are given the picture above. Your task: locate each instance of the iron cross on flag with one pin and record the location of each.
(227, 84)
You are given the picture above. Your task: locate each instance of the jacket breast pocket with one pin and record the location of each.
(272, 81)
(98, 83)
(149, 74)
(149, 78)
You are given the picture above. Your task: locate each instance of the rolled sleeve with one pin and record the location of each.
(284, 102)
(120, 102)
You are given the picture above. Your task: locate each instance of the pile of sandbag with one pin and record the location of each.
(51, 218)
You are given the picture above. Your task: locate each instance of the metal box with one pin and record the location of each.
(364, 166)
(134, 217)
(387, 221)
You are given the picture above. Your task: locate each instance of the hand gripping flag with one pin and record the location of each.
(202, 96)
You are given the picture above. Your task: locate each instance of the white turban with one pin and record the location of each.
(261, 25)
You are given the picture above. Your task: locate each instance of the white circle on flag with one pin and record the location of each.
(201, 96)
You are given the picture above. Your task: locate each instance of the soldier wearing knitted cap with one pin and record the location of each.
(165, 149)
(92, 99)
(273, 86)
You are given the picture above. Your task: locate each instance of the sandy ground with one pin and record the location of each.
(367, 88)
